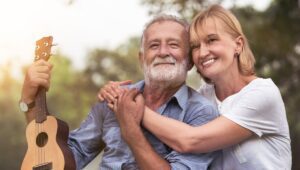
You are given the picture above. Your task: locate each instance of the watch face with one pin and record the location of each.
(23, 107)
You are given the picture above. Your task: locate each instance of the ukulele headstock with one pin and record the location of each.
(43, 48)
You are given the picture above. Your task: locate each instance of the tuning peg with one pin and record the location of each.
(54, 44)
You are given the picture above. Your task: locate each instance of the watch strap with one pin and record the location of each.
(31, 105)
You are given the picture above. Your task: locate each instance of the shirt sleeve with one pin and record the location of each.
(259, 110)
(190, 161)
(86, 141)
(195, 116)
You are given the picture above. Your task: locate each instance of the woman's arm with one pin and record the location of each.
(217, 134)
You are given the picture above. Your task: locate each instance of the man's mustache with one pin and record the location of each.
(165, 60)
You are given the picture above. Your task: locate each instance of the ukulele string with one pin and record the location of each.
(42, 138)
(36, 155)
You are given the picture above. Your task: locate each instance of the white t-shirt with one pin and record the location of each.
(259, 108)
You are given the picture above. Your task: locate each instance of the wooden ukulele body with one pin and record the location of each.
(53, 152)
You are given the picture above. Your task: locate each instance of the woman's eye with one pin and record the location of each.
(211, 40)
(195, 46)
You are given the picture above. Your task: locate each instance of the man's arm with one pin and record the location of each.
(129, 119)
(86, 141)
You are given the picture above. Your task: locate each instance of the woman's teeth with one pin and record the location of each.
(205, 63)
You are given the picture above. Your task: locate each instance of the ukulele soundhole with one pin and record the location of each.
(42, 139)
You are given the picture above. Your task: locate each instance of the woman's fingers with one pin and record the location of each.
(125, 82)
(111, 91)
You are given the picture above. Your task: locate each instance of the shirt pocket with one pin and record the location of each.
(239, 154)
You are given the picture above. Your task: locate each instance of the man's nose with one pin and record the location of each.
(164, 50)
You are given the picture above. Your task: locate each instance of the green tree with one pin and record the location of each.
(187, 9)
(113, 65)
(69, 96)
(12, 124)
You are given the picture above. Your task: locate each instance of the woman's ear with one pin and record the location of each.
(239, 44)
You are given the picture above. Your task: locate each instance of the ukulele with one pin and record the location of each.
(46, 135)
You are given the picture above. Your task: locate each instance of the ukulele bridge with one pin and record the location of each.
(44, 166)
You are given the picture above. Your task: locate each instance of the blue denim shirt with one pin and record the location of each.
(101, 125)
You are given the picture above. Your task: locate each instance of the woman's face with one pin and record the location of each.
(213, 53)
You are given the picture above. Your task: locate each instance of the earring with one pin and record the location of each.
(236, 54)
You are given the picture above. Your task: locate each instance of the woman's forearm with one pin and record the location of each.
(217, 134)
(175, 134)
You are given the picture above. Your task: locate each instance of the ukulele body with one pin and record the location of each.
(47, 146)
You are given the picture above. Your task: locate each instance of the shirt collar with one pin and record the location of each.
(182, 96)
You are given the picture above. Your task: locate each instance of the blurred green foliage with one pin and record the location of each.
(274, 36)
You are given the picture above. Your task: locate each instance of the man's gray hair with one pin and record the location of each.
(161, 18)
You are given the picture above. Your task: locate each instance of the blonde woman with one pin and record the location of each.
(252, 128)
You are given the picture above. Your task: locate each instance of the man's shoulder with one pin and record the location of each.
(197, 104)
(199, 110)
(196, 98)
(100, 108)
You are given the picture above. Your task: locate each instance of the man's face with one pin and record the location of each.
(165, 50)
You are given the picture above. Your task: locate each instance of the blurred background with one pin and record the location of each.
(98, 41)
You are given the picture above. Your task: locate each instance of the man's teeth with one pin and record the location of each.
(164, 63)
(208, 62)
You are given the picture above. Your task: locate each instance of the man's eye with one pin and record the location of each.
(153, 46)
(174, 45)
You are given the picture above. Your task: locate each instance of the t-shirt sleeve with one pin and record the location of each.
(258, 110)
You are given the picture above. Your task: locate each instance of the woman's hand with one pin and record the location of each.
(111, 91)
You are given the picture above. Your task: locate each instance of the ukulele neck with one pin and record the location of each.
(42, 52)
(40, 101)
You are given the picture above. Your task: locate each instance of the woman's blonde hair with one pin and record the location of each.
(232, 26)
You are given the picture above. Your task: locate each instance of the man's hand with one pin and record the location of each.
(129, 110)
(38, 74)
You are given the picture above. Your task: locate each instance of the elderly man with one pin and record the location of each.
(165, 62)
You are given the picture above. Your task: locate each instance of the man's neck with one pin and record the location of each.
(156, 95)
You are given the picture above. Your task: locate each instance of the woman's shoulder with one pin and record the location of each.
(260, 91)
(262, 85)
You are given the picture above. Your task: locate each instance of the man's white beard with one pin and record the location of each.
(165, 75)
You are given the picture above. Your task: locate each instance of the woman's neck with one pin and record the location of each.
(227, 86)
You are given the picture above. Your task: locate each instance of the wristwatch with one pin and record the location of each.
(24, 107)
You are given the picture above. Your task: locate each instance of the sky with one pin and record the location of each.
(76, 28)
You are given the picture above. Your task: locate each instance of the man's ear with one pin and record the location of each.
(141, 59)
(239, 44)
